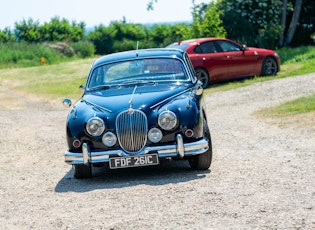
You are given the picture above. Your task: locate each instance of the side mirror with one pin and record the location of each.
(67, 103)
(199, 89)
(244, 47)
(82, 88)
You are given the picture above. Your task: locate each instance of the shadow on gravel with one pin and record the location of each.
(169, 172)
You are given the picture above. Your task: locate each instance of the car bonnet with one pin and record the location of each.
(137, 97)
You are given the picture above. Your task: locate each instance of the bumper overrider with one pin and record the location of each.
(180, 150)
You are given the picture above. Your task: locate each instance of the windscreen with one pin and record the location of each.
(140, 70)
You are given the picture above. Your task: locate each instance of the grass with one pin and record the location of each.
(298, 106)
(48, 81)
(295, 55)
(20, 54)
(294, 114)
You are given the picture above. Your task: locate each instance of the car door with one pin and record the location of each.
(240, 61)
(208, 55)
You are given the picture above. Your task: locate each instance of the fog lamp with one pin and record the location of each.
(109, 139)
(155, 135)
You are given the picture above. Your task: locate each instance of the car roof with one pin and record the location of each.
(195, 40)
(198, 41)
(141, 53)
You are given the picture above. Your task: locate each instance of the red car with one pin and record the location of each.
(220, 59)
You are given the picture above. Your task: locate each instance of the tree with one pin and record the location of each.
(56, 30)
(252, 22)
(62, 30)
(298, 22)
(103, 39)
(283, 22)
(127, 35)
(207, 21)
(128, 31)
(150, 4)
(294, 21)
(6, 35)
(27, 31)
(161, 35)
(305, 29)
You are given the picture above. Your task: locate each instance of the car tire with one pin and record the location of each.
(202, 161)
(82, 171)
(269, 67)
(203, 76)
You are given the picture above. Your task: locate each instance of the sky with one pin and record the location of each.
(95, 12)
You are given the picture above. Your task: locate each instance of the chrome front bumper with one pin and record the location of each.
(180, 150)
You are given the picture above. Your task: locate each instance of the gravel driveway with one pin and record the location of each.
(262, 175)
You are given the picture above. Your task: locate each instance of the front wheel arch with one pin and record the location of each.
(202, 161)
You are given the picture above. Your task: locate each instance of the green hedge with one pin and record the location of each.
(18, 54)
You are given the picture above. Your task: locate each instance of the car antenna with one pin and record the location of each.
(137, 48)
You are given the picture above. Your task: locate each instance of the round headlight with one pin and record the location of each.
(155, 135)
(95, 126)
(109, 139)
(167, 120)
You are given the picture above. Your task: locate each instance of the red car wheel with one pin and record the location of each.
(203, 76)
(269, 67)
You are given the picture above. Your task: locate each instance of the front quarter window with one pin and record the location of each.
(190, 68)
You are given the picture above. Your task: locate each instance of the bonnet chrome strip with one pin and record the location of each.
(169, 98)
(97, 106)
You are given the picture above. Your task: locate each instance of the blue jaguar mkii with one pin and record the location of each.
(138, 107)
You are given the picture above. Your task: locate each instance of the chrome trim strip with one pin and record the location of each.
(96, 105)
(169, 98)
(131, 98)
(180, 146)
(189, 149)
(85, 152)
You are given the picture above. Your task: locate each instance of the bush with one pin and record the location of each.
(295, 55)
(20, 54)
(83, 48)
(124, 45)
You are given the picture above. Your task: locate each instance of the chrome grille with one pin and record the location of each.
(131, 126)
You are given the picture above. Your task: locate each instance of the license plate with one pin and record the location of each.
(133, 161)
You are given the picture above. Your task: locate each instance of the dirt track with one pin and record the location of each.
(262, 176)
